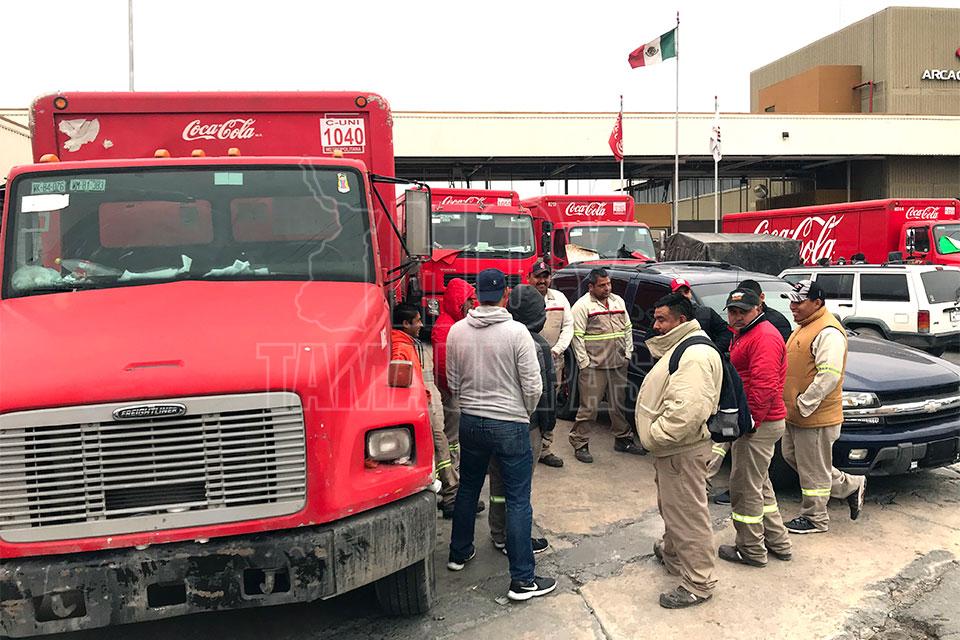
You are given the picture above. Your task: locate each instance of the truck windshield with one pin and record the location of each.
(95, 230)
(947, 237)
(488, 235)
(614, 241)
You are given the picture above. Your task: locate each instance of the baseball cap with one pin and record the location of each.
(491, 284)
(752, 285)
(804, 290)
(677, 283)
(745, 299)
(540, 267)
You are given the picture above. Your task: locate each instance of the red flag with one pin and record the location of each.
(616, 138)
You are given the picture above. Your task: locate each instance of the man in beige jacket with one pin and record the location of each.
(671, 414)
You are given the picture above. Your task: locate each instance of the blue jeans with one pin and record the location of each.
(481, 438)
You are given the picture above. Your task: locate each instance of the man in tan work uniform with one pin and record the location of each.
(557, 331)
(602, 344)
(671, 413)
(816, 359)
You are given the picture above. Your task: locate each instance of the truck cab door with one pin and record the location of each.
(559, 255)
(915, 242)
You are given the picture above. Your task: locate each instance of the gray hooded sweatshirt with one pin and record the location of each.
(492, 366)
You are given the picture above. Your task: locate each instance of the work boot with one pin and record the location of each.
(583, 454)
(731, 553)
(855, 500)
(627, 445)
(801, 524)
(722, 498)
(552, 460)
(680, 598)
(785, 556)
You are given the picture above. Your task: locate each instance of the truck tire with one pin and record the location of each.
(782, 475)
(408, 592)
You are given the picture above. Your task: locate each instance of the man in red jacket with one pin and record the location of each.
(458, 298)
(759, 356)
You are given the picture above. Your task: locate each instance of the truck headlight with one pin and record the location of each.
(859, 400)
(433, 307)
(393, 444)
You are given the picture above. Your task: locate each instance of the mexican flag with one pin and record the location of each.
(658, 50)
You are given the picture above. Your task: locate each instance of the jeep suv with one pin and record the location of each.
(901, 406)
(914, 304)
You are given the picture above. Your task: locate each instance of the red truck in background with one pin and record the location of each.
(199, 409)
(923, 229)
(601, 227)
(473, 230)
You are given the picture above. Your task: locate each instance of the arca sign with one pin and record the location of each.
(942, 74)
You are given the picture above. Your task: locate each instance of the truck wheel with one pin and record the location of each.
(408, 592)
(782, 475)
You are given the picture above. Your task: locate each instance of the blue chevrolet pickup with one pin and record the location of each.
(901, 405)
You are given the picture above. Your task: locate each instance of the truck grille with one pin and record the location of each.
(78, 472)
(512, 279)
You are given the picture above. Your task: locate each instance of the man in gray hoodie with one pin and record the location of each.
(493, 372)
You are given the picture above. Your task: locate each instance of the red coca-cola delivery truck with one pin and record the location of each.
(922, 229)
(596, 224)
(473, 230)
(199, 410)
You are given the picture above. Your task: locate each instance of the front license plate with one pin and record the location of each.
(954, 315)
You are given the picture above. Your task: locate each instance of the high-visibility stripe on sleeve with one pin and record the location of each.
(823, 368)
(443, 464)
(720, 451)
(454, 446)
(816, 493)
(579, 334)
(739, 517)
(604, 336)
(498, 500)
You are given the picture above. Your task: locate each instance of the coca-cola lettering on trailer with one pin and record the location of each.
(923, 213)
(467, 200)
(587, 209)
(816, 234)
(231, 129)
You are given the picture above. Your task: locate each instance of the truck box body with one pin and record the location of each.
(196, 361)
(874, 228)
(599, 223)
(473, 230)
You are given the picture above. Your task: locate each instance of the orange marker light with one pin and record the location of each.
(233, 151)
(337, 153)
(198, 153)
(49, 157)
(360, 101)
(161, 153)
(60, 103)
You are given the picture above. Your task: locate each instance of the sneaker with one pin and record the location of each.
(855, 500)
(552, 460)
(583, 454)
(680, 598)
(731, 553)
(627, 445)
(539, 545)
(521, 591)
(458, 565)
(722, 498)
(801, 524)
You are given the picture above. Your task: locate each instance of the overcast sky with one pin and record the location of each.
(486, 56)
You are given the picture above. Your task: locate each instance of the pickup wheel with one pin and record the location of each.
(408, 592)
(782, 475)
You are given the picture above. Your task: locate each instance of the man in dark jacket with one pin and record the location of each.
(771, 315)
(527, 306)
(710, 321)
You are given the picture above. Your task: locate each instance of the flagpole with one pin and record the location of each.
(716, 169)
(676, 132)
(621, 138)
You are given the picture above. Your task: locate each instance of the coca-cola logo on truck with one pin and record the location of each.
(926, 213)
(816, 235)
(596, 209)
(234, 129)
(463, 200)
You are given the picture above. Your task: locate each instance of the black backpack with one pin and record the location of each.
(733, 418)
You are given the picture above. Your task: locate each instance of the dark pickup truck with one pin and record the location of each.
(901, 405)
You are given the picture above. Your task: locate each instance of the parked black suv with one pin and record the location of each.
(901, 406)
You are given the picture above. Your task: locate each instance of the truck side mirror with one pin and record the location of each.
(911, 240)
(546, 231)
(418, 222)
